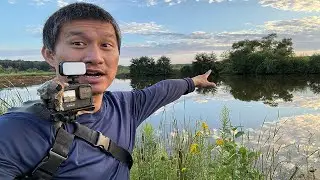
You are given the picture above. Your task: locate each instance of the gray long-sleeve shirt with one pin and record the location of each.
(25, 139)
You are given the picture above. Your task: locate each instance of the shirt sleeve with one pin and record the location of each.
(148, 100)
(24, 141)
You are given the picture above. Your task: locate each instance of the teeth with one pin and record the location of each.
(92, 75)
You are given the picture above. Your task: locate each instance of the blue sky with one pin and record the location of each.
(176, 28)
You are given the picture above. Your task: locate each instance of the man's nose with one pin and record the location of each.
(94, 55)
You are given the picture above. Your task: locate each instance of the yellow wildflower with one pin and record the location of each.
(198, 134)
(194, 148)
(183, 169)
(219, 142)
(205, 126)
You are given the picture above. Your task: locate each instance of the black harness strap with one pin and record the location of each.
(57, 154)
(49, 165)
(97, 139)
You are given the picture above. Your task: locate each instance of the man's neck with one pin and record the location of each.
(97, 101)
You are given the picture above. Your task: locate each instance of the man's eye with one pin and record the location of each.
(106, 45)
(78, 43)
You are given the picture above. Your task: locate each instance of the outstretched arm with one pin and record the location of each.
(148, 100)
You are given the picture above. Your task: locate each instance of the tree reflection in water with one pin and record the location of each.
(268, 89)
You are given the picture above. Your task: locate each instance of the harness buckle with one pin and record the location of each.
(56, 155)
(102, 141)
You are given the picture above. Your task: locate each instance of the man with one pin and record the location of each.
(85, 32)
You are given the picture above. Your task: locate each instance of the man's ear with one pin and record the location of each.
(48, 56)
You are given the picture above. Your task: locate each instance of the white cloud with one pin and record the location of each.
(305, 34)
(24, 54)
(12, 1)
(200, 35)
(288, 5)
(35, 29)
(62, 3)
(293, 5)
(174, 2)
(142, 28)
(305, 25)
(215, 1)
(40, 2)
(152, 2)
(182, 47)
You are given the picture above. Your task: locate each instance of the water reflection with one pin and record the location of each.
(268, 89)
(251, 100)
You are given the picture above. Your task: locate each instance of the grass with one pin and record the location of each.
(25, 73)
(222, 154)
(194, 154)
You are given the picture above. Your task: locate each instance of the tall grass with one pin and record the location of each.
(12, 98)
(222, 154)
(200, 154)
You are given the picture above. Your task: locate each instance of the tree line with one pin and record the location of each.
(267, 55)
(147, 66)
(260, 56)
(13, 66)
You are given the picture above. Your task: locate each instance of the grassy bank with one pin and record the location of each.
(227, 153)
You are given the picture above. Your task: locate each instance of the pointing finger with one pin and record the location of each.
(208, 73)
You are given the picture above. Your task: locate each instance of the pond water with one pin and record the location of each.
(251, 101)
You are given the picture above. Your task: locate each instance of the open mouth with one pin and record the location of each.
(93, 74)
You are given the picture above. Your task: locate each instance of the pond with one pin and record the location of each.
(251, 101)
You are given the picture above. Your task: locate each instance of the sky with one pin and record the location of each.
(178, 29)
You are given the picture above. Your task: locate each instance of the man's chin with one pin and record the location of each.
(97, 90)
(97, 93)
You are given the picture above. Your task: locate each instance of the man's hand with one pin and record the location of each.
(202, 80)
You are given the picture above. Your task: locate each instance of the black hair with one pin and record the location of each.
(71, 12)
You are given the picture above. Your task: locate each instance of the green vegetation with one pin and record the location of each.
(146, 66)
(27, 73)
(227, 153)
(267, 55)
(203, 154)
(36, 68)
(10, 66)
(6, 70)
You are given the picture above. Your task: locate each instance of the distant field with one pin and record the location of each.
(121, 71)
(27, 74)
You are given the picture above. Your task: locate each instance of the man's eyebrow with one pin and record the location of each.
(79, 33)
(74, 33)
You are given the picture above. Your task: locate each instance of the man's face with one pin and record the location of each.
(91, 42)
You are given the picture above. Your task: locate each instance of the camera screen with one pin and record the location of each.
(69, 96)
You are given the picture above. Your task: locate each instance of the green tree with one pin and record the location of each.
(314, 63)
(163, 66)
(186, 70)
(267, 55)
(204, 62)
(142, 66)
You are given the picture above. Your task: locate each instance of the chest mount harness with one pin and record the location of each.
(53, 108)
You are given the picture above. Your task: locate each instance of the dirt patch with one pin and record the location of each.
(22, 80)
